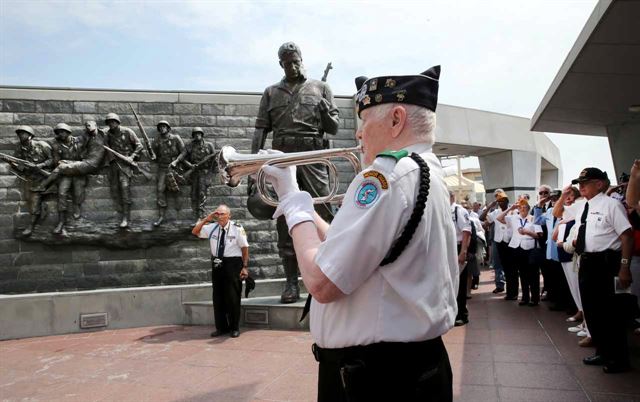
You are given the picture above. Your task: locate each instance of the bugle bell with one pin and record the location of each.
(234, 166)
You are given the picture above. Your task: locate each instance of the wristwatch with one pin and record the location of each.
(624, 261)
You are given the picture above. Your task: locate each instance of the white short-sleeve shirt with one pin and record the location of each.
(234, 241)
(461, 220)
(606, 221)
(523, 241)
(411, 299)
(501, 231)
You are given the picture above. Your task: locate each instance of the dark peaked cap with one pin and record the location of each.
(421, 90)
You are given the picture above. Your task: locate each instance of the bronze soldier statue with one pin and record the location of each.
(90, 143)
(167, 148)
(38, 154)
(299, 111)
(199, 156)
(124, 141)
(66, 148)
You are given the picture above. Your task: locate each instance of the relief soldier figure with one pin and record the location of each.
(199, 156)
(66, 148)
(125, 142)
(39, 159)
(299, 111)
(167, 148)
(90, 143)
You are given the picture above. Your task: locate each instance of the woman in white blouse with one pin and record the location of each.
(523, 242)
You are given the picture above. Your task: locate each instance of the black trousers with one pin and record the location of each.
(558, 288)
(461, 298)
(510, 272)
(605, 320)
(386, 371)
(227, 287)
(529, 275)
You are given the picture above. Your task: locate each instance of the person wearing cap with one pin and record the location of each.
(604, 243)
(168, 148)
(124, 141)
(39, 153)
(501, 237)
(299, 112)
(66, 148)
(384, 274)
(523, 240)
(229, 262)
(198, 156)
(462, 224)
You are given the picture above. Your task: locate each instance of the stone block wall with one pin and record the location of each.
(28, 265)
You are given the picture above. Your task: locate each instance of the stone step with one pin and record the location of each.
(256, 312)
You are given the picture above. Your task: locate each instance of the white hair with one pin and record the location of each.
(421, 120)
(546, 187)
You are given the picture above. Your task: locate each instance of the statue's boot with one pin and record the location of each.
(161, 214)
(77, 211)
(62, 217)
(291, 292)
(126, 215)
(29, 229)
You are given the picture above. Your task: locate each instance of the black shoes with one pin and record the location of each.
(523, 303)
(533, 304)
(233, 334)
(498, 290)
(511, 297)
(461, 321)
(595, 360)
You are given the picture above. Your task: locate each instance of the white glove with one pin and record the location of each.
(297, 207)
(283, 180)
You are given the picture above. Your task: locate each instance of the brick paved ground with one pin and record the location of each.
(506, 353)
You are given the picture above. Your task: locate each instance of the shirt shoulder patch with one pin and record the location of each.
(397, 155)
(374, 174)
(367, 193)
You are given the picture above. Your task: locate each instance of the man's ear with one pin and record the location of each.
(280, 62)
(398, 120)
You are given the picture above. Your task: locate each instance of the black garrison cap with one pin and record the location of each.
(421, 90)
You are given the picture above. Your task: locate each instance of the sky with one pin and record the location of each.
(499, 56)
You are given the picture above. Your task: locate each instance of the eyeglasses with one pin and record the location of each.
(543, 192)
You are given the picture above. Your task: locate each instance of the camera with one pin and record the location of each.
(217, 263)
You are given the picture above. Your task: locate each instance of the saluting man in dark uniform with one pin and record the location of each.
(384, 275)
(39, 153)
(299, 111)
(167, 148)
(126, 142)
(196, 152)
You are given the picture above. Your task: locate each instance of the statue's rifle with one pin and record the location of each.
(145, 137)
(136, 167)
(326, 72)
(198, 165)
(22, 164)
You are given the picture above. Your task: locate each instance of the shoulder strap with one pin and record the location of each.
(418, 210)
(212, 230)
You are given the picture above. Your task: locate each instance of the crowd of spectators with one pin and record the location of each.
(583, 242)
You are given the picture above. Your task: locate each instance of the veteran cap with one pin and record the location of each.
(590, 173)
(420, 89)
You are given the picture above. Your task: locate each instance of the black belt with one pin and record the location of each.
(600, 254)
(380, 349)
